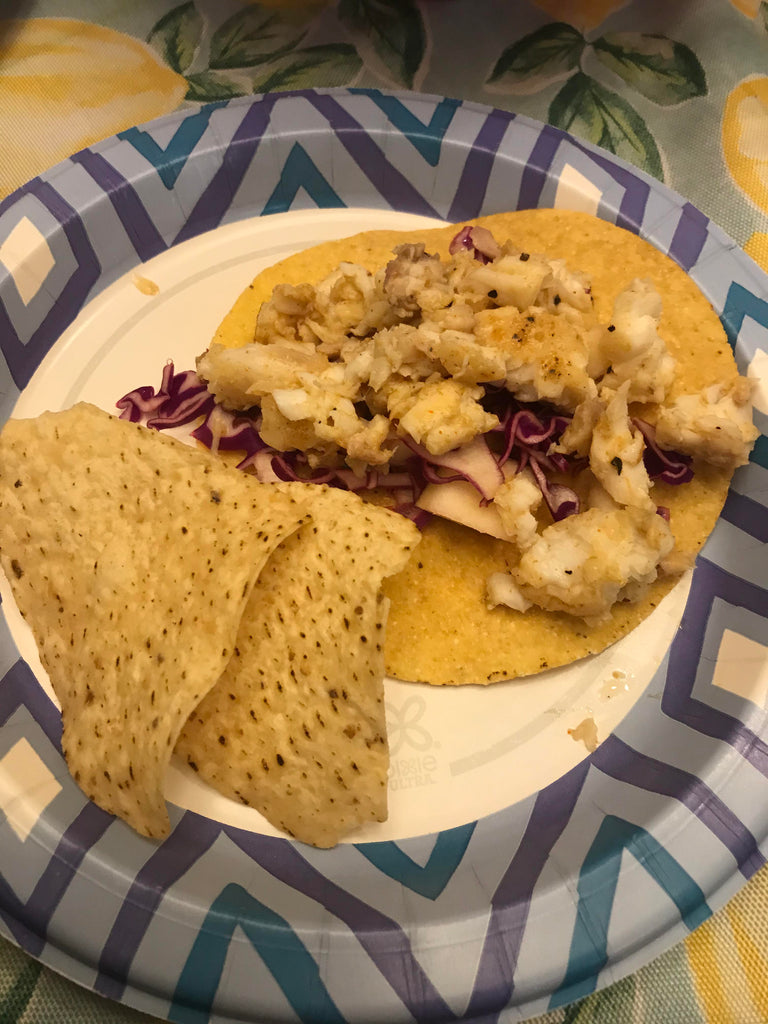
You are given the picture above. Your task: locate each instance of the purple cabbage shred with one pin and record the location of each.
(180, 399)
(661, 464)
(527, 433)
(479, 241)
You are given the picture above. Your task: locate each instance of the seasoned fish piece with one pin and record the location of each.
(516, 501)
(239, 377)
(441, 415)
(545, 355)
(714, 425)
(633, 349)
(585, 563)
(415, 281)
(616, 454)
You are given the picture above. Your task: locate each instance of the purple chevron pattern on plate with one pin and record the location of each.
(496, 919)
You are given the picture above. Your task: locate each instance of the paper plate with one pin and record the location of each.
(516, 872)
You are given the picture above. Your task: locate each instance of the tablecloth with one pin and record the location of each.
(679, 89)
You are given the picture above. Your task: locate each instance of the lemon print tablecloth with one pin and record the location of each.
(679, 89)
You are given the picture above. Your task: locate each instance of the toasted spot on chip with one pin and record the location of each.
(295, 727)
(134, 617)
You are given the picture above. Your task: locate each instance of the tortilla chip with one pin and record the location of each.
(295, 727)
(132, 557)
(440, 630)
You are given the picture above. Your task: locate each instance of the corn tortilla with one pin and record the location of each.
(440, 630)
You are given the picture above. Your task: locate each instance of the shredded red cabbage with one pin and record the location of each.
(661, 464)
(225, 430)
(418, 515)
(479, 241)
(561, 501)
(180, 399)
(474, 463)
(183, 397)
(527, 434)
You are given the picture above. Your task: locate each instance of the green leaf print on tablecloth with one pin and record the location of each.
(176, 37)
(544, 56)
(658, 68)
(253, 36)
(661, 69)
(390, 36)
(256, 50)
(589, 110)
(332, 63)
(210, 86)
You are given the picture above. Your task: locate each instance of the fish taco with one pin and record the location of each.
(550, 398)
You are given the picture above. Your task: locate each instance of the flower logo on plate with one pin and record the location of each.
(403, 726)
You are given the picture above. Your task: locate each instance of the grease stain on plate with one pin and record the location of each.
(586, 731)
(145, 285)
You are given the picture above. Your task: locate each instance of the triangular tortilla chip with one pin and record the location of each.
(296, 727)
(132, 557)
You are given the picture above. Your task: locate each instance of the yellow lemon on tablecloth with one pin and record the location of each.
(756, 246)
(745, 138)
(583, 14)
(65, 84)
(748, 7)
